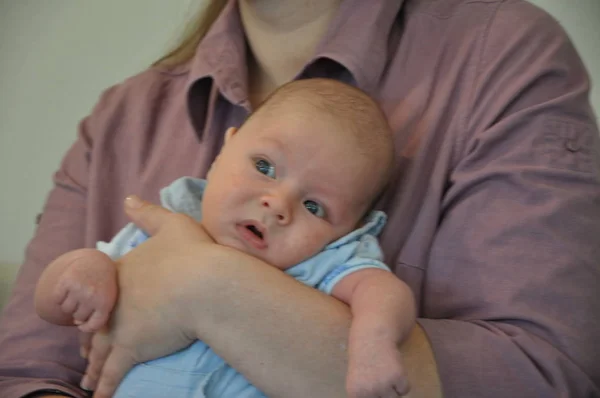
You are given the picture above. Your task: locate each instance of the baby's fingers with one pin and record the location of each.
(391, 393)
(401, 387)
(70, 304)
(83, 313)
(95, 322)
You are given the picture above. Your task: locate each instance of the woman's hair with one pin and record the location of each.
(193, 33)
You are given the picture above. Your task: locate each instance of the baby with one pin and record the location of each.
(294, 187)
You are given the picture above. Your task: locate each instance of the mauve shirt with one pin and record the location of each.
(494, 209)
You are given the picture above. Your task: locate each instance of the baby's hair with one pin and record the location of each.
(355, 111)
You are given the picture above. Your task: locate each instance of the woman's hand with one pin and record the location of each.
(179, 286)
(152, 317)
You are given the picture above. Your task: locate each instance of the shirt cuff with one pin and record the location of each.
(48, 391)
(38, 389)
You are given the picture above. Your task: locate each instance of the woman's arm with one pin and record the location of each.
(292, 339)
(34, 354)
(288, 339)
(513, 277)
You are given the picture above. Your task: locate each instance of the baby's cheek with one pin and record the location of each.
(312, 243)
(298, 244)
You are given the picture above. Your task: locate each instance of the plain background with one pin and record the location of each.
(57, 56)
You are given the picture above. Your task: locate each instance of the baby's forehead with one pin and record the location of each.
(315, 144)
(307, 128)
(339, 172)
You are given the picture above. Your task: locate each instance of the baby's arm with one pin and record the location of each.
(78, 288)
(383, 310)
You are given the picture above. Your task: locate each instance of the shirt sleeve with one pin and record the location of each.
(512, 291)
(368, 255)
(34, 354)
(124, 241)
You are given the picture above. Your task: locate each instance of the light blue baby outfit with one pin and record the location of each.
(196, 371)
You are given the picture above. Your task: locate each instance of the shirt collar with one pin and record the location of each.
(220, 60)
(221, 55)
(364, 55)
(222, 52)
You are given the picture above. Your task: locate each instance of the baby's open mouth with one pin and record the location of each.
(254, 234)
(255, 231)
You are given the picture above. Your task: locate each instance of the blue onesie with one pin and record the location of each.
(196, 371)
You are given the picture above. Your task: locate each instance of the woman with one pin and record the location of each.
(494, 211)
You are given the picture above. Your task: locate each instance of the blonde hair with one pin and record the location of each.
(357, 113)
(194, 31)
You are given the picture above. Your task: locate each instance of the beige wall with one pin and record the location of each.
(57, 56)
(8, 273)
(581, 20)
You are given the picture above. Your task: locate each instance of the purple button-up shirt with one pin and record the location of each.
(494, 210)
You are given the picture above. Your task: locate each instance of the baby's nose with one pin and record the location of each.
(279, 207)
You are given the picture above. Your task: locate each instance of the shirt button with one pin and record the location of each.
(572, 145)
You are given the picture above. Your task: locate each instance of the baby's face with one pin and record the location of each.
(283, 188)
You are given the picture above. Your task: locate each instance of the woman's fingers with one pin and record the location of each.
(145, 215)
(85, 343)
(118, 363)
(99, 351)
(155, 219)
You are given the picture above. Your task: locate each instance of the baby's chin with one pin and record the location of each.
(277, 260)
(238, 245)
(233, 244)
(287, 263)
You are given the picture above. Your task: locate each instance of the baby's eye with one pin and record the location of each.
(315, 208)
(265, 168)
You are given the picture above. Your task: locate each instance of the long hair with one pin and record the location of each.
(194, 31)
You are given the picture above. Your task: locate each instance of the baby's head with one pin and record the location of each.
(302, 171)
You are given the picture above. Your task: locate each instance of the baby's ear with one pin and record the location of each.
(230, 133)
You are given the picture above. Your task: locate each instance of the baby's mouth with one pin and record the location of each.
(255, 231)
(254, 234)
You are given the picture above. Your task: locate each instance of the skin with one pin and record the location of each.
(274, 175)
(291, 356)
(78, 288)
(295, 152)
(282, 36)
(259, 307)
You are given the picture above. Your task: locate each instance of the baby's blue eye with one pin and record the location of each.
(315, 208)
(265, 168)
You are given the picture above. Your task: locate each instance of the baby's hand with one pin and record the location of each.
(87, 289)
(376, 370)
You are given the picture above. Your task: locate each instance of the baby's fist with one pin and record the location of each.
(87, 289)
(380, 375)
